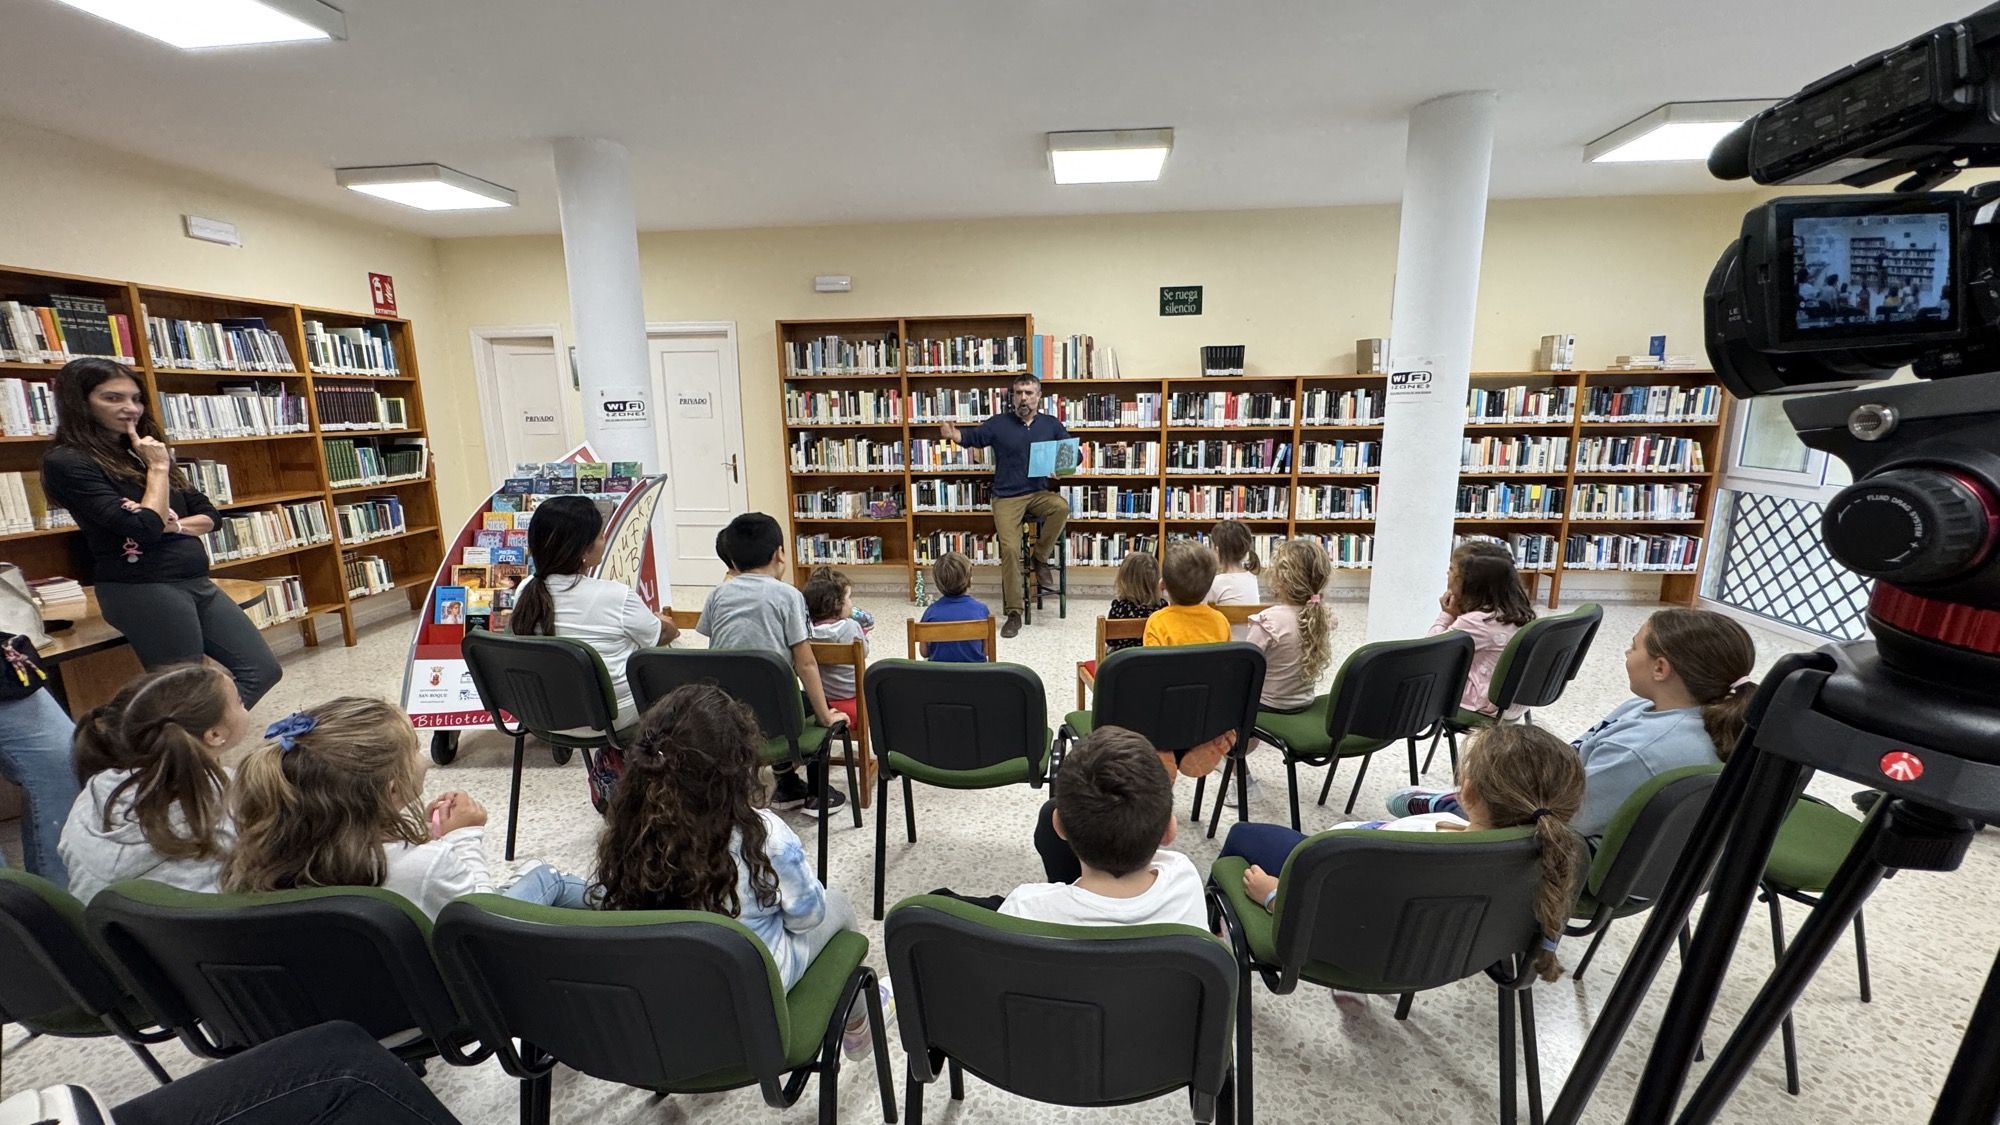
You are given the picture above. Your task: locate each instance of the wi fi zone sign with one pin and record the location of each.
(1411, 384)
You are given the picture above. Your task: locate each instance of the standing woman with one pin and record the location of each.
(141, 521)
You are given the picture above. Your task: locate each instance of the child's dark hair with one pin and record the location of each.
(1487, 582)
(1189, 572)
(1114, 800)
(691, 783)
(559, 538)
(1233, 543)
(824, 592)
(1480, 546)
(952, 573)
(1713, 656)
(1138, 579)
(750, 541)
(1524, 775)
(153, 727)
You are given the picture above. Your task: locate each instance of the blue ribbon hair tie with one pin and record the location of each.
(286, 731)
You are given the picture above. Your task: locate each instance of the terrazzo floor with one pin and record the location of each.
(1318, 1058)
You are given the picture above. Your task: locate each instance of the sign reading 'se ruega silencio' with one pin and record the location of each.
(1180, 300)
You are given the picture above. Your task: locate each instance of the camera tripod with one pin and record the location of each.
(1933, 748)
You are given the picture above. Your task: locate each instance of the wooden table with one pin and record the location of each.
(93, 660)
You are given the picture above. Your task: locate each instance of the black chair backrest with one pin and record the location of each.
(545, 683)
(1070, 1015)
(958, 716)
(1643, 843)
(229, 971)
(659, 999)
(1547, 654)
(762, 681)
(50, 964)
(1408, 911)
(1399, 689)
(1182, 696)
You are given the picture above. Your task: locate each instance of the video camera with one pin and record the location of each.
(1833, 291)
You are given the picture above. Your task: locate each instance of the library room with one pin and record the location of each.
(673, 562)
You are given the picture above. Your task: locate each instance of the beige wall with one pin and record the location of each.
(1297, 287)
(74, 207)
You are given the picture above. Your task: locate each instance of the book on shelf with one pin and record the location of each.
(1340, 456)
(1348, 550)
(505, 555)
(1264, 543)
(969, 494)
(1222, 359)
(448, 605)
(982, 547)
(1521, 405)
(936, 453)
(1666, 554)
(241, 410)
(1510, 501)
(965, 354)
(1118, 458)
(1666, 403)
(27, 408)
(56, 588)
(1088, 548)
(368, 349)
(372, 518)
(247, 535)
(1333, 502)
(210, 478)
(1640, 453)
(1533, 551)
(1220, 501)
(1524, 454)
(233, 344)
(1103, 411)
(1636, 502)
(57, 328)
(1270, 455)
(1371, 356)
(854, 504)
(284, 599)
(1325, 406)
(25, 507)
(476, 555)
(840, 355)
(348, 406)
(469, 576)
(1070, 357)
(352, 462)
(1230, 408)
(864, 407)
(1111, 501)
(1558, 353)
(836, 550)
(367, 574)
(1653, 363)
(814, 454)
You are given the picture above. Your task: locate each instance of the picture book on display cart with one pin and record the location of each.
(475, 584)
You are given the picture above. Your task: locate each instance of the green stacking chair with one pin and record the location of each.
(955, 726)
(229, 971)
(1811, 845)
(1394, 913)
(1539, 661)
(55, 982)
(1068, 1015)
(1384, 692)
(549, 685)
(1639, 851)
(765, 683)
(673, 1001)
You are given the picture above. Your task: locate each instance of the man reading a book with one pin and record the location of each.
(1018, 497)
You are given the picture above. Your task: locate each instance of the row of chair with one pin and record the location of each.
(690, 1002)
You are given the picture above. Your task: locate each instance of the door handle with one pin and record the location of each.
(733, 479)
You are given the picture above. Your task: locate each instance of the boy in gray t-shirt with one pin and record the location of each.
(754, 609)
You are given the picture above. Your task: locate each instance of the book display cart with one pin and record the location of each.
(305, 426)
(1574, 470)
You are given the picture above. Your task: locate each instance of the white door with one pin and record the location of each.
(530, 412)
(701, 445)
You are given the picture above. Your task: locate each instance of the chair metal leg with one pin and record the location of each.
(1326, 787)
(1355, 793)
(829, 1085)
(1403, 1003)
(881, 837)
(1583, 966)
(1200, 787)
(1412, 741)
(514, 793)
(1860, 956)
(1246, 1103)
(1292, 787)
(1451, 737)
(1787, 1028)
(880, 1034)
(825, 789)
(913, 1097)
(1509, 1092)
(853, 776)
(1531, 1056)
(909, 811)
(152, 1064)
(1241, 771)
(956, 1073)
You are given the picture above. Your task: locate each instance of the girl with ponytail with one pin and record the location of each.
(1296, 632)
(1691, 672)
(1511, 777)
(152, 803)
(334, 798)
(565, 544)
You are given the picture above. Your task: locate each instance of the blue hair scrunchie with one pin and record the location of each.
(286, 731)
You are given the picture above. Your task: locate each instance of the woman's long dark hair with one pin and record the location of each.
(689, 786)
(559, 536)
(77, 428)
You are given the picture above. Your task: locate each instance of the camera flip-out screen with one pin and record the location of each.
(1867, 272)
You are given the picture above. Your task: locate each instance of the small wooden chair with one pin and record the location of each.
(1239, 615)
(930, 632)
(853, 654)
(684, 619)
(1108, 629)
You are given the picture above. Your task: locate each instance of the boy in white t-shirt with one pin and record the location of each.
(1114, 806)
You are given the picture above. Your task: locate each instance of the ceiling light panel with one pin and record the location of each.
(1675, 131)
(427, 187)
(1111, 156)
(195, 24)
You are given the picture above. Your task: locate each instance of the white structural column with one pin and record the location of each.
(1449, 157)
(600, 229)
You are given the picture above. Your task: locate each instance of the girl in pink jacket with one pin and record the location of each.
(1485, 601)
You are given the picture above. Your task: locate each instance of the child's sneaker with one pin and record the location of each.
(858, 1038)
(789, 791)
(813, 806)
(1413, 802)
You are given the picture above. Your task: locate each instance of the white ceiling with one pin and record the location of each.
(769, 112)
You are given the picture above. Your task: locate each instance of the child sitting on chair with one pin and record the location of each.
(830, 604)
(952, 575)
(1187, 620)
(1134, 593)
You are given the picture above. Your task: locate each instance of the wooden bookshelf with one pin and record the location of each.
(264, 472)
(903, 535)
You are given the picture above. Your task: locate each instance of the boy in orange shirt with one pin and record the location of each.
(1188, 572)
